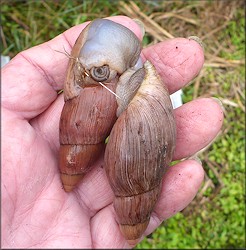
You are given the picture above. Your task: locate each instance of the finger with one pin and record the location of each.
(105, 230)
(180, 185)
(31, 79)
(198, 122)
(177, 61)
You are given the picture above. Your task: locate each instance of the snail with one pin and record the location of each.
(110, 92)
(97, 59)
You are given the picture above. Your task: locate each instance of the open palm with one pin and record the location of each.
(36, 211)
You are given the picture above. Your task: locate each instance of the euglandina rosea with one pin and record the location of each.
(106, 79)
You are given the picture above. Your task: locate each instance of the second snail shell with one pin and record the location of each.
(140, 146)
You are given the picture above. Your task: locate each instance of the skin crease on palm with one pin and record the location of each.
(36, 212)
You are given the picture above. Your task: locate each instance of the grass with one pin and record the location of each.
(216, 217)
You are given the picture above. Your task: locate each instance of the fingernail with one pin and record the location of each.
(140, 25)
(196, 158)
(219, 102)
(197, 39)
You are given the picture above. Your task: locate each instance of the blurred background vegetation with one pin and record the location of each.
(216, 217)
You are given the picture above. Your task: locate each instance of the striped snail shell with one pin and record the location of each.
(140, 146)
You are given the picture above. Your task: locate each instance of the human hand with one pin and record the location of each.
(36, 212)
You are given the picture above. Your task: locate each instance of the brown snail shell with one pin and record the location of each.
(140, 146)
(98, 57)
